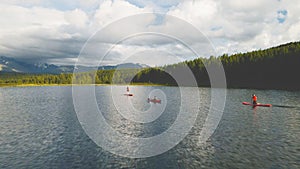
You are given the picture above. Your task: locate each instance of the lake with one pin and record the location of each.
(40, 129)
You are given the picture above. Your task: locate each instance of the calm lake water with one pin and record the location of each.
(40, 129)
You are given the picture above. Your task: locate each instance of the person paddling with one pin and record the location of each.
(254, 99)
(127, 91)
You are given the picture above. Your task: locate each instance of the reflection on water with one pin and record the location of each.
(117, 112)
(39, 129)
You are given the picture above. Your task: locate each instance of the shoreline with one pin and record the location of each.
(48, 85)
(132, 84)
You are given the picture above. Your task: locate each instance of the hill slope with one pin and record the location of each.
(273, 68)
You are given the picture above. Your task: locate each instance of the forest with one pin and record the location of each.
(122, 76)
(273, 68)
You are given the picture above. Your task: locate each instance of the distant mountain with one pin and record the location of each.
(119, 66)
(131, 66)
(13, 65)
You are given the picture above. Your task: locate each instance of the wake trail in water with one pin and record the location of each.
(285, 106)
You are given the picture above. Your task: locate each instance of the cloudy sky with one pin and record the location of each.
(55, 31)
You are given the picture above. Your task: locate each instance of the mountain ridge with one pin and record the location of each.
(11, 65)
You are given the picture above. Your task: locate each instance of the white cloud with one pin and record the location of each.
(111, 11)
(90, 3)
(42, 29)
(76, 18)
(22, 25)
(238, 26)
(198, 13)
(22, 2)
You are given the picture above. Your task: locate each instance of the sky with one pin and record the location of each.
(59, 31)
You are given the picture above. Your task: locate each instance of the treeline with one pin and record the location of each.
(99, 77)
(20, 78)
(274, 68)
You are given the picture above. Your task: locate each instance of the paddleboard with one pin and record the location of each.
(128, 94)
(258, 104)
(154, 100)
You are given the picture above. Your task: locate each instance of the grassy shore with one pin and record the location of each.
(41, 85)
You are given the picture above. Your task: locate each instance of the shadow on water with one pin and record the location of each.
(285, 106)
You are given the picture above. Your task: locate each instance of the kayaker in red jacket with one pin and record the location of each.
(254, 99)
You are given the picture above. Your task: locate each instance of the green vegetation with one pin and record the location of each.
(274, 68)
(99, 77)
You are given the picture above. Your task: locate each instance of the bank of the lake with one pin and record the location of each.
(273, 68)
(41, 85)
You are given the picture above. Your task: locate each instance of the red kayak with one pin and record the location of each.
(258, 104)
(154, 100)
(129, 94)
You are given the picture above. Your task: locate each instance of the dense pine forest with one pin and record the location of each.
(273, 68)
(122, 76)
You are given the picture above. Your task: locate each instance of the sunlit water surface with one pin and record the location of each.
(40, 129)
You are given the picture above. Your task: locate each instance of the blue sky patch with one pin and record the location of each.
(162, 4)
(216, 28)
(281, 16)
